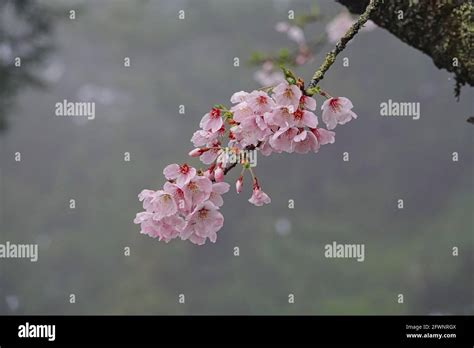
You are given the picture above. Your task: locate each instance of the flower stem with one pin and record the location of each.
(340, 46)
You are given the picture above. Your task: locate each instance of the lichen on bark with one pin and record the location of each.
(442, 29)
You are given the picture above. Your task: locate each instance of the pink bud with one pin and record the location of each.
(219, 174)
(239, 184)
(197, 152)
(208, 174)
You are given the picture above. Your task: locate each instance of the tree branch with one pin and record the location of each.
(440, 28)
(340, 46)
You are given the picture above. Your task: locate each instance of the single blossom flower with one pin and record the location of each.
(302, 118)
(181, 173)
(218, 189)
(340, 24)
(212, 121)
(280, 116)
(305, 142)
(238, 97)
(337, 111)
(203, 138)
(163, 205)
(324, 136)
(184, 206)
(286, 94)
(197, 190)
(282, 140)
(210, 156)
(203, 223)
(260, 102)
(296, 34)
(259, 197)
(308, 102)
(241, 111)
(147, 196)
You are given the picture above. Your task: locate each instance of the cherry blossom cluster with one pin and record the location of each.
(281, 122)
(187, 207)
(279, 119)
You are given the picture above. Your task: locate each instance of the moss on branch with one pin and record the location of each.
(340, 46)
(442, 29)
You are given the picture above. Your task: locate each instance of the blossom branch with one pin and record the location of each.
(340, 46)
(280, 120)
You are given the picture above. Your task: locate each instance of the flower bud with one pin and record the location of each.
(239, 184)
(219, 174)
(197, 152)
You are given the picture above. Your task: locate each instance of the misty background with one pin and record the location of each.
(190, 62)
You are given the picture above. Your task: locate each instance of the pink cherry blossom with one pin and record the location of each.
(197, 190)
(280, 116)
(308, 102)
(181, 173)
(268, 77)
(147, 196)
(305, 141)
(241, 111)
(324, 136)
(212, 121)
(210, 155)
(282, 140)
(286, 94)
(238, 97)
(203, 223)
(279, 121)
(339, 25)
(337, 111)
(260, 102)
(302, 118)
(163, 204)
(248, 132)
(177, 193)
(142, 217)
(296, 34)
(218, 189)
(259, 197)
(164, 229)
(265, 148)
(203, 138)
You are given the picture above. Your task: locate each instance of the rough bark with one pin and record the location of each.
(440, 28)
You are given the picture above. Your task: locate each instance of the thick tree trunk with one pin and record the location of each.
(440, 28)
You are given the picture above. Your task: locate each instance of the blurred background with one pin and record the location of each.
(191, 62)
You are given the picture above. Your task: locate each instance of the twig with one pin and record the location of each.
(248, 148)
(340, 46)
